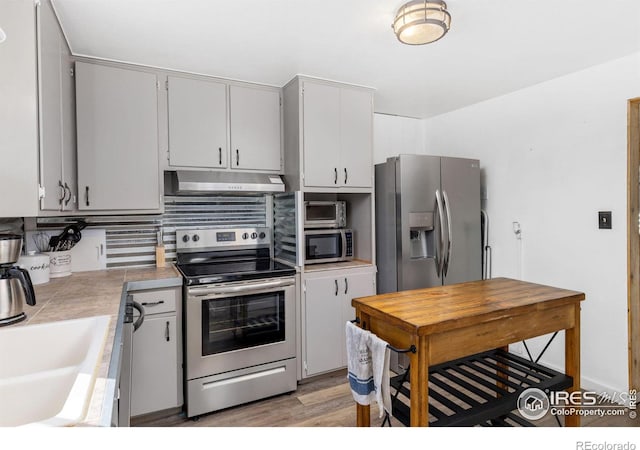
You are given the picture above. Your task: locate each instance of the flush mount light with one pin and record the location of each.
(421, 22)
(3, 36)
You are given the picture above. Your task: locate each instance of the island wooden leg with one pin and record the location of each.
(420, 384)
(572, 362)
(363, 415)
(501, 374)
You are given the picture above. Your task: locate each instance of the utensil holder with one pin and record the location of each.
(59, 264)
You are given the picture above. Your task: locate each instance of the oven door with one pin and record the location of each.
(237, 325)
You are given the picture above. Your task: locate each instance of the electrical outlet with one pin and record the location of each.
(604, 220)
(517, 230)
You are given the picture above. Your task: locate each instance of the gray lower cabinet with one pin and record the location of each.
(327, 301)
(156, 356)
(56, 114)
(117, 138)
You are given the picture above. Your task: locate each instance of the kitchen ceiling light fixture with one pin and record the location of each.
(3, 36)
(420, 22)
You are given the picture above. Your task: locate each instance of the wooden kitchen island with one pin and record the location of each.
(448, 322)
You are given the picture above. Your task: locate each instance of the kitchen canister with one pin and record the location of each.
(37, 264)
(59, 264)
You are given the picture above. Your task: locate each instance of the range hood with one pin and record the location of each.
(199, 182)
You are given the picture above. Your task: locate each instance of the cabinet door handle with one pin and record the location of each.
(86, 194)
(346, 286)
(62, 191)
(67, 189)
(166, 332)
(336, 282)
(335, 175)
(345, 176)
(237, 157)
(220, 156)
(159, 302)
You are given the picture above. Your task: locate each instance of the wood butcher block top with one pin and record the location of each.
(436, 309)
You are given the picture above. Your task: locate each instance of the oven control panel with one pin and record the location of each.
(207, 238)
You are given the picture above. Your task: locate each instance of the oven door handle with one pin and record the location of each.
(241, 289)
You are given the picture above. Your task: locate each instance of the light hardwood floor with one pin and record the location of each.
(323, 401)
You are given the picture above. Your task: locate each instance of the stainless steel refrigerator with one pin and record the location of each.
(428, 230)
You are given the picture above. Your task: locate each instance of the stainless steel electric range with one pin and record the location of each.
(239, 318)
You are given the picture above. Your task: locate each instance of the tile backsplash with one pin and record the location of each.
(131, 239)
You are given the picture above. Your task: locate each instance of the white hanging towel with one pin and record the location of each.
(368, 368)
(380, 358)
(359, 365)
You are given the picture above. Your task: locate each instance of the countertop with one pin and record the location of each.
(431, 310)
(95, 293)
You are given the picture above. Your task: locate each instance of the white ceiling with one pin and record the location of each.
(494, 46)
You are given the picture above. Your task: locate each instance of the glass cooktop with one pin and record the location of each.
(232, 270)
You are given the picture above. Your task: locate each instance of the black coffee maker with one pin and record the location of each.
(16, 288)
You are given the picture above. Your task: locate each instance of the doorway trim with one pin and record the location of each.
(633, 240)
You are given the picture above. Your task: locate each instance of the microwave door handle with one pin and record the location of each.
(343, 237)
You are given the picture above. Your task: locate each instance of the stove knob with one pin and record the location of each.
(245, 235)
(254, 235)
(196, 238)
(262, 235)
(185, 238)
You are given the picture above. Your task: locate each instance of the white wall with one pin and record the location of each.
(553, 155)
(393, 135)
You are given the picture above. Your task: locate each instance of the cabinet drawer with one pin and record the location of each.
(157, 301)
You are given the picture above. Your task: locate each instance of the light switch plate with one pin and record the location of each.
(604, 220)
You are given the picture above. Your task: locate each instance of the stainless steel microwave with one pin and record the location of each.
(325, 214)
(328, 245)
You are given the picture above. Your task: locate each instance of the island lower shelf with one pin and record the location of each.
(480, 389)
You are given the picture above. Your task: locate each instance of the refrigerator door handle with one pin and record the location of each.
(447, 258)
(440, 249)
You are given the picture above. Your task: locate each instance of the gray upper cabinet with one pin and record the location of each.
(337, 136)
(218, 125)
(356, 138)
(321, 135)
(197, 123)
(255, 128)
(19, 111)
(56, 114)
(117, 132)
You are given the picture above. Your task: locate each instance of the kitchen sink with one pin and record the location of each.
(48, 371)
